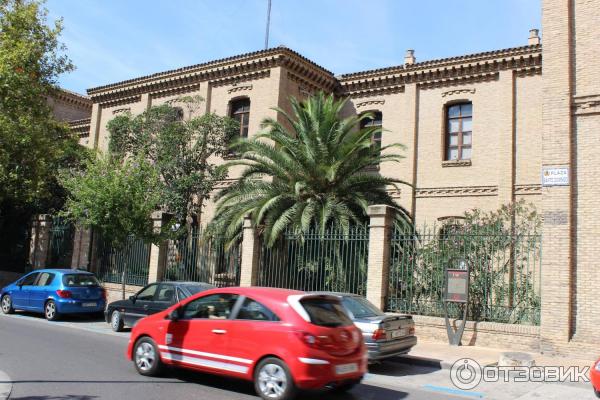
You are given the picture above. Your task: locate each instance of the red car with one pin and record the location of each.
(283, 340)
(595, 377)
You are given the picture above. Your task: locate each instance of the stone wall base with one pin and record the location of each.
(114, 291)
(485, 334)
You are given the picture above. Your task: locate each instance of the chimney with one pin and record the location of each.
(534, 37)
(409, 58)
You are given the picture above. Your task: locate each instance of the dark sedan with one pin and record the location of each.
(151, 299)
(386, 335)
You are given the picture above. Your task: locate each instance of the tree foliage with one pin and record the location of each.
(181, 146)
(116, 197)
(33, 145)
(320, 171)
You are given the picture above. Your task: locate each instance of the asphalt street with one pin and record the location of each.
(84, 360)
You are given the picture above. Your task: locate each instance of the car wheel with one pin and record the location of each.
(273, 381)
(50, 311)
(345, 387)
(7, 307)
(597, 393)
(146, 357)
(116, 322)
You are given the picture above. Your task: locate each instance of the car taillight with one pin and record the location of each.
(379, 334)
(103, 293)
(317, 342)
(411, 330)
(64, 294)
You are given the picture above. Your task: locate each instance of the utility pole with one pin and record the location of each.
(268, 25)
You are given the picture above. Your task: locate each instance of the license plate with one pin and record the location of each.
(89, 304)
(399, 333)
(343, 369)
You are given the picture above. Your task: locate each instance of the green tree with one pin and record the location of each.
(32, 143)
(321, 171)
(114, 197)
(181, 146)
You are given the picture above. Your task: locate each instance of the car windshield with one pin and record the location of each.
(326, 312)
(359, 307)
(81, 280)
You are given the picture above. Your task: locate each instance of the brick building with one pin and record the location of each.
(478, 128)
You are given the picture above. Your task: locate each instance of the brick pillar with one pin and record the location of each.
(380, 225)
(158, 253)
(82, 240)
(250, 255)
(40, 241)
(505, 132)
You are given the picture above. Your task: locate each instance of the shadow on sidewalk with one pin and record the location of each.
(399, 368)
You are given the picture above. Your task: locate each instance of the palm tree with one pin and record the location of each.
(319, 173)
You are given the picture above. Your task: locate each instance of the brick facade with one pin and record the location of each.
(522, 120)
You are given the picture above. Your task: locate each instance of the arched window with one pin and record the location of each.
(375, 121)
(459, 121)
(240, 111)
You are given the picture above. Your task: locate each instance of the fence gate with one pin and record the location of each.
(60, 249)
(332, 261)
(132, 262)
(505, 272)
(203, 259)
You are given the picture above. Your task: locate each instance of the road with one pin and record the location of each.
(84, 360)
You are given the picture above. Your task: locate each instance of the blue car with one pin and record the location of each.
(54, 292)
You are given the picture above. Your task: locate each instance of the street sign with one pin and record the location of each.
(457, 285)
(555, 176)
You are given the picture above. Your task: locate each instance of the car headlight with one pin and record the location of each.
(597, 366)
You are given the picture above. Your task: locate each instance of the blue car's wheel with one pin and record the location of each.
(7, 307)
(50, 311)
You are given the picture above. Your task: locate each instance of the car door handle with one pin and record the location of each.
(219, 331)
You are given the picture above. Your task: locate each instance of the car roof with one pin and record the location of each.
(340, 294)
(63, 271)
(188, 283)
(276, 294)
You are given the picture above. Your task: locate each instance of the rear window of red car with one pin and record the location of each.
(325, 312)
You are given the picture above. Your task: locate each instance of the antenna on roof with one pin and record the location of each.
(268, 25)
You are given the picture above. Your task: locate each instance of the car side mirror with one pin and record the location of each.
(174, 315)
(133, 298)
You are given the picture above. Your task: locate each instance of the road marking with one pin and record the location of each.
(454, 391)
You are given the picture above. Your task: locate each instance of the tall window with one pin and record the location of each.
(375, 121)
(459, 120)
(240, 111)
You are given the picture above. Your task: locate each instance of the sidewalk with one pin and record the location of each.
(429, 367)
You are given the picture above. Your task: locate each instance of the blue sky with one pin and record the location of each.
(114, 40)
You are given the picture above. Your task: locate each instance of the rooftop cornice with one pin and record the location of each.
(445, 63)
(218, 69)
(70, 97)
(444, 72)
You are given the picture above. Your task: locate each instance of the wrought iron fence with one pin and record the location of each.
(197, 258)
(505, 272)
(332, 261)
(60, 249)
(132, 262)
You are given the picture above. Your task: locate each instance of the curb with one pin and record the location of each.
(5, 386)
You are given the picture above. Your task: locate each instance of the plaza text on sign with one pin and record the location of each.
(457, 285)
(555, 176)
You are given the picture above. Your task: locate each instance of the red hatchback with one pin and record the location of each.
(283, 340)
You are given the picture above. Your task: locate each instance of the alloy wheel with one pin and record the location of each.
(145, 356)
(115, 320)
(6, 304)
(272, 381)
(50, 310)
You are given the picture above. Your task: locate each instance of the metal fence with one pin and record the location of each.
(505, 272)
(132, 262)
(332, 261)
(60, 249)
(197, 258)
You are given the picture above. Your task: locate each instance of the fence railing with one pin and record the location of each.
(196, 258)
(504, 280)
(312, 261)
(132, 262)
(60, 249)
